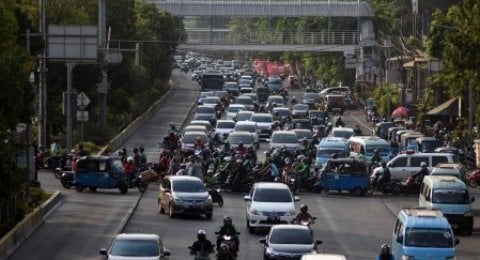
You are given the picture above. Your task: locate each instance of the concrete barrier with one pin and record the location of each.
(15, 237)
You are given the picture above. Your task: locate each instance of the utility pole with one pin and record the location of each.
(387, 44)
(42, 79)
(102, 87)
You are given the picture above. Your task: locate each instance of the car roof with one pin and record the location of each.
(138, 236)
(263, 114)
(247, 123)
(225, 121)
(316, 256)
(240, 133)
(290, 132)
(183, 178)
(236, 105)
(271, 185)
(246, 112)
(288, 226)
(195, 133)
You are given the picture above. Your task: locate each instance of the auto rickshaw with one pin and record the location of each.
(262, 93)
(343, 174)
(100, 172)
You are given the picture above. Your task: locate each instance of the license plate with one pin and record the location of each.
(274, 218)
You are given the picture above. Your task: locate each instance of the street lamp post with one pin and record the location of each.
(387, 44)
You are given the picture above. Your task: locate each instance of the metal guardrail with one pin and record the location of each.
(272, 38)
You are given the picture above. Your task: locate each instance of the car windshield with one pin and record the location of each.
(421, 237)
(205, 110)
(383, 150)
(328, 152)
(283, 112)
(272, 195)
(310, 95)
(301, 125)
(190, 138)
(449, 196)
(291, 236)
(429, 146)
(235, 109)
(284, 138)
(344, 134)
(276, 100)
(135, 248)
(262, 119)
(211, 101)
(245, 139)
(244, 101)
(246, 128)
(243, 116)
(188, 186)
(303, 134)
(229, 125)
(206, 94)
(300, 107)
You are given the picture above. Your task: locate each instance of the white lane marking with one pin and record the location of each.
(358, 120)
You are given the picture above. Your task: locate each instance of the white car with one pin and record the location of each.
(284, 139)
(233, 109)
(268, 204)
(136, 246)
(248, 126)
(264, 122)
(244, 116)
(224, 127)
(211, 101)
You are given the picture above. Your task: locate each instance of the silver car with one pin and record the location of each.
(206, 113)
(284, 139)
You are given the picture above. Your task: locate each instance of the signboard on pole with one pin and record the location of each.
(82, 101)
(415, 7)
(82, 116)
(350, 63)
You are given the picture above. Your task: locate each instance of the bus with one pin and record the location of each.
(212, 81)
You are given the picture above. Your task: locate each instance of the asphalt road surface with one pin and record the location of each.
(84, 222)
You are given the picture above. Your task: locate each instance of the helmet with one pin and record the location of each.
(384, 164)
(376, 150)
(288, 161)
(171, 124)
(240, 143)
(119, 152)
(130, 159)
(202, 235)
(293, 97)
(385, 249)
(239, 160)
(304, 208)
(142, 149)
(227, 220)
(423, 164)
(334, 155)
(135, 150)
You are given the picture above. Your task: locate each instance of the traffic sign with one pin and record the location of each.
(82, 100)
(82, 116)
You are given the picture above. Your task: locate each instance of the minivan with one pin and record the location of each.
(366, 145)
(450, 195)
(405, 164)
(422, 234)
(329, 146)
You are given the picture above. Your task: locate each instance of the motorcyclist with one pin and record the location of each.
(302, 169)
(303, 215)
(384, 176)
(293, 101)
(173, 128)
(287, 170)
(240, 149)
(385, 253)
(202, 245)
(339, 122)
(228, 229)
(130, 169)
(357, 130)
(143, 156)
(422, 173)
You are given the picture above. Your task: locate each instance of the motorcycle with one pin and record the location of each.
(137, 182)
(228, 248)
(67, 179)
(391, 187)
(214, 192)
(199, 255)
(292, 182)
(467, 159)
(473, 179)
(409, 186)
(63, 163)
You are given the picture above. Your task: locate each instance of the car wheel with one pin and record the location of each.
(170, 210)
(357, 191)
(79, 187)
(93, 189)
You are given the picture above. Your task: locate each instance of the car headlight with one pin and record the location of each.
(406, 257)
(290, 213)
(255, 212)
(468, 214)
(270, 251)
(209, 199)
(177, 200)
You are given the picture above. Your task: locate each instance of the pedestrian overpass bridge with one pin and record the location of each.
(225, 40)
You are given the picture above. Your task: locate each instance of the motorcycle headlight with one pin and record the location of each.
(290, 213)
(255, 212)
(407, 257)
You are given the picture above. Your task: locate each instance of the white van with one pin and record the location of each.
(366, 145)
(450, 195)
(405, 164)
(323, 257)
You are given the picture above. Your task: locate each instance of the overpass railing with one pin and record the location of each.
(224, 37)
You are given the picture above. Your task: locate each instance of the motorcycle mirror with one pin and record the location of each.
(216, 233)
(103, 251)
(262, 241)
(296, 198)
(247, 198)
(472, 199)
(318, 242)
(166, 253)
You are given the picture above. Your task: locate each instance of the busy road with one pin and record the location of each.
(82, 223)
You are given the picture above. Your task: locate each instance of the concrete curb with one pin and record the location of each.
(22, 231)
(133, 126)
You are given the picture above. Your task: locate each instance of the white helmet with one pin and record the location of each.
(423, 164)
(129, 159)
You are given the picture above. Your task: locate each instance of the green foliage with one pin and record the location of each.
(383, 95)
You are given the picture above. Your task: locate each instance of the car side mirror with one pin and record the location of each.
(457, 241)
(103, 251)
(472, 199)
(263, 241)
(400, 239)
(167, 253)
(318, 242)
(247, 198)
(296, 198)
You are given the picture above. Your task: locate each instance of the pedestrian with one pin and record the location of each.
(136, 156)
(143, 157)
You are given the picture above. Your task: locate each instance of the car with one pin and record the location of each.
(449, 169)
(301, 124)
(243, 116)
(253, 96)
(268, 204)
(179, 194)
(300, 110)
(224, 127)
(281, 113)
(264, 122)
(244, 83)
(288, 242)
(246, 90)
(275, 84)
(275, 101)
(196, 74)
(246, 138)
(284, 139)
(248, 126)
(345, 132)
(303, 133)
(199, 128)
(233, 109)
(248, 78)
(318, 117)
(203, 95)
(136, 246)
(204, 112)
(309, 98)
(342, 90)
(246, 101)
(231, 87)
(211, 101)
(202, 122)
(188, 140)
